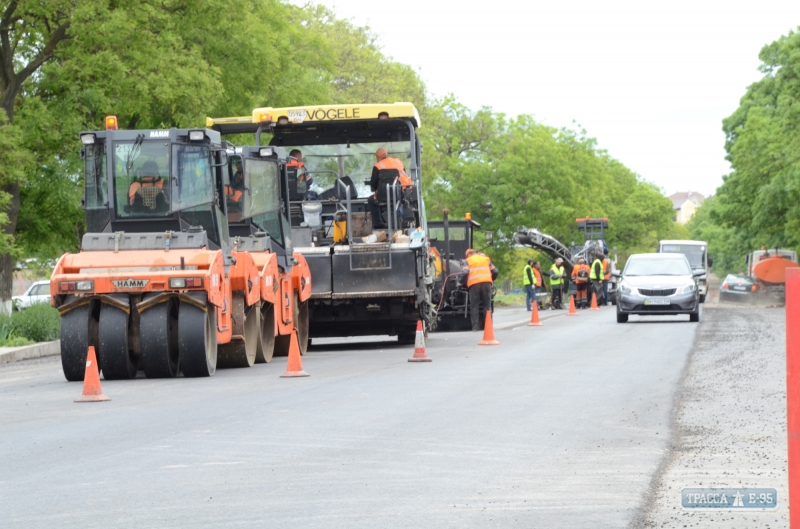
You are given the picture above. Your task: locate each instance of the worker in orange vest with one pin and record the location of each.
(384, 162)
(606, 277)
(145, 201)
(304, 179)
(580, 276)
(479, 274)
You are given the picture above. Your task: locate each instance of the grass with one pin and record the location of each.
(37, 323)
(509, 300)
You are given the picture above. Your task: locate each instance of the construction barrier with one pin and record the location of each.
(793, 391)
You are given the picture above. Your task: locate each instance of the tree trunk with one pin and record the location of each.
(7, 261)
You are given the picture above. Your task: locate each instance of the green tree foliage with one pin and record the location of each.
(155, 63)
(517, 172)
(758, 203)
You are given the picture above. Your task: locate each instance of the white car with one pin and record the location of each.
(38, 292)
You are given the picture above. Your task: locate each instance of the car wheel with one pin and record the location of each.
(694, 318)
(621, 318)
(702, 298)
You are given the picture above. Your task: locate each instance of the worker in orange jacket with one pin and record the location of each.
(385, 162)
(606, 277)
(479, 274)
(580, 276)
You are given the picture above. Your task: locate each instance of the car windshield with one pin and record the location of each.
(326, 162)
(695, 253)
(656, 267)
(733, 278)
(141, 178)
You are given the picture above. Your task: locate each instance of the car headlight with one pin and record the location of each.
(689, 289)
(625, 289)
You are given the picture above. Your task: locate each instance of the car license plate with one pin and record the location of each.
(739, 288)
(656, 301)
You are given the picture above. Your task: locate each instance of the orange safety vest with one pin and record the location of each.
(300, 169)
(480, 270)
(538, 275)
(233, 194)
(606, 269)
(138, 185)
(577, 269)
(394, 163)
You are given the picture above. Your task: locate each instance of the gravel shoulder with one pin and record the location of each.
(729, 423)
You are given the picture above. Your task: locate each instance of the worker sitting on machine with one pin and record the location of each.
(146, 192)
(385, 171)
(234, 193)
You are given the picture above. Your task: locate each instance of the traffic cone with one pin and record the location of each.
(594, 302)
(535, 314)
(419, 346)
(294, 366)
(92, 392)
(488, 331)
(572, 311)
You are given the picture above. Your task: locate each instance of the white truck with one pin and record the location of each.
(697, 254)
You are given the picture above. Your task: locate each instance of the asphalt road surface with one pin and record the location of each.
(563, 425)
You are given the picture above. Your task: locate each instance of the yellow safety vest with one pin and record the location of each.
(593, 274)
(559, 271)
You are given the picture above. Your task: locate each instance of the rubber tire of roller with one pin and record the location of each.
(113, 351)
(266, 341)
(197, 340)
(78, 327)
(158, 328)
(235, 354)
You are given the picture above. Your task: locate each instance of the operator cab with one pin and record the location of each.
(256, 194)
(145, 181)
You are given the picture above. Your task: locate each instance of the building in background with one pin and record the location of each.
(684, 204)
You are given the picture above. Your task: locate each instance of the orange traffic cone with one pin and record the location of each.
(572, 311)
(294, 366)
(594, 302)
(488, 331)
(419, 346)
(92, 392)
(535, 314)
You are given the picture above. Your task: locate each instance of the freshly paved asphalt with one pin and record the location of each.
(563, 425)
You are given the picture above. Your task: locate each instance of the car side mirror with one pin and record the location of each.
(710, 261)
(616, 273)
(698, 273)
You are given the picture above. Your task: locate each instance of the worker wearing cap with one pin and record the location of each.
(557, 276)
(384, 162)
(479, 273)
(580, 275)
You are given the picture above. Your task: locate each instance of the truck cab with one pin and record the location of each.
(697, 254)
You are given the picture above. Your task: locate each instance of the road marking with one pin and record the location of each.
(176, 466)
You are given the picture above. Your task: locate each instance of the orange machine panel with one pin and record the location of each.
(773, 269)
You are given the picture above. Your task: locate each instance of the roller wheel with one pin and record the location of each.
(159, 336)
(78, 332)
(113, 350)
(266, 342)
(197, 339)
(300, 320)
(241, 351)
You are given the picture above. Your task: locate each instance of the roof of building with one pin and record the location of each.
(679, 198)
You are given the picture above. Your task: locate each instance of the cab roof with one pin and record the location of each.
(315, 114)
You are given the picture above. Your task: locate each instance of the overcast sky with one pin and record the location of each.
(651, 81)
